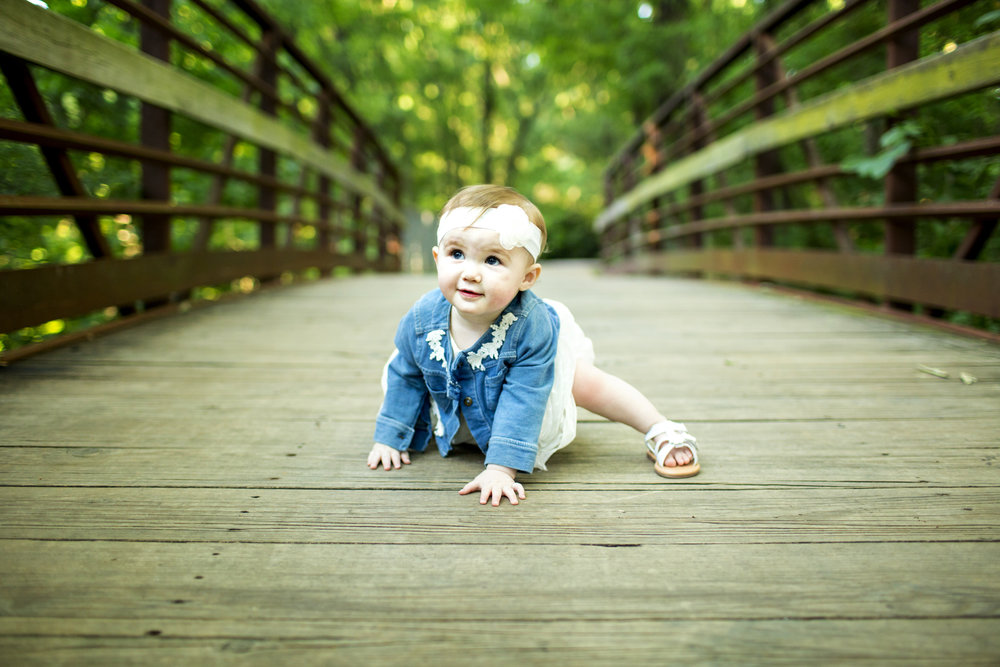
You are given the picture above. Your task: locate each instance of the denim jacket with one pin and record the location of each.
(501, 384)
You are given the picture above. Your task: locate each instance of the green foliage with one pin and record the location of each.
(567, 82)
(895, 143)
(988, 19)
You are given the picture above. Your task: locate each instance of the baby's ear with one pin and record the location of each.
(434, 251)
(531, 276)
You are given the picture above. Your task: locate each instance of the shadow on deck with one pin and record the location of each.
(194, 490)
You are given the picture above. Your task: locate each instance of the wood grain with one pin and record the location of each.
(194, 491)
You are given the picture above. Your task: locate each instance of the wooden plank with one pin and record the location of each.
(44, 135)
(310, 387)
(868, 366)
(447, 641)
(654, 513)
(36, 295)
(935, 282)
(38, 205)
(343, 404)
(56, 42)
(302, 454)
(896, 212)
(142, 581)
(971, 66)
(209, 602)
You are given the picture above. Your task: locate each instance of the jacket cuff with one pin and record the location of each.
(393, 433)
(511, 453)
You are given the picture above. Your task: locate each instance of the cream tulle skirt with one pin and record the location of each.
(559, 422)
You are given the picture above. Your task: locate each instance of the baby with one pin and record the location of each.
(482, 360)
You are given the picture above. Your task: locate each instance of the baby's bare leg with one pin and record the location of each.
(613, 398)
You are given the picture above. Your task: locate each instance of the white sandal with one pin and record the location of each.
(677, 436)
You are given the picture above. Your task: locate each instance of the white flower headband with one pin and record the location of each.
(507, 220)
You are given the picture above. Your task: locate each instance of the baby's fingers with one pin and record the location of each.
(387, 457)
(390, 459)
(514, 492)
(397, 459)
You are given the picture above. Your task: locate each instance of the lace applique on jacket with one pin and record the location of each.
(437, 350)
(491, 350)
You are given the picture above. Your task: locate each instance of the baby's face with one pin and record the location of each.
(478, 276)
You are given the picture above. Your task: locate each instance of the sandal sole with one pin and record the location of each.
(677, 472)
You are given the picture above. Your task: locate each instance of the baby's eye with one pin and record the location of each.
(493, 260)
(456, 254)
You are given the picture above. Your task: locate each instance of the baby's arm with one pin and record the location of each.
(387, 456)
(405, 398)
(496, 481)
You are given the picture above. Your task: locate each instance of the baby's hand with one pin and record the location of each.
(496, 481)
(387, 456)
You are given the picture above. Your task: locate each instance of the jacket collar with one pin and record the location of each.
(434, 312)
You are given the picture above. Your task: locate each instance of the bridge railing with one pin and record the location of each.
(284, 155)
(824, 149)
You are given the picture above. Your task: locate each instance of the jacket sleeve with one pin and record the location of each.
(406, 399)
(525, 393)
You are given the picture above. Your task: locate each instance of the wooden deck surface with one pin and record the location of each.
(194, 491)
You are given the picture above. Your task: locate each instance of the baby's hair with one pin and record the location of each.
(491, 196)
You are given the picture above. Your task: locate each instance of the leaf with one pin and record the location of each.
(936, 372)
(899, 134)
(988, 17)
(896, 142)
(878, 165)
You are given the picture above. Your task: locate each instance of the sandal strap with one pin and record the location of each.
(677, 436)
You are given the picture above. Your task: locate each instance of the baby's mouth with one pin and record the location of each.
(469, 294)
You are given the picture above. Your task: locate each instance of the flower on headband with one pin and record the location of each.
(507, 220)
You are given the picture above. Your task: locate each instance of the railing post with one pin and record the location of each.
(360, 225)
(901, 181)
(699, 121)
(654, 163)
(267, 159)
(389, 242)
(609, 196)
(155, 133)
(321, 135)
(631, 223)
(766, 163)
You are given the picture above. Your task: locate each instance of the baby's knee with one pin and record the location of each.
(586, 382)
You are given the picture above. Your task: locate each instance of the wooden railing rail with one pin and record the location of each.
(763, 167)
(319, 188)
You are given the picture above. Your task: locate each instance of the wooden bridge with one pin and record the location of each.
(194, 489)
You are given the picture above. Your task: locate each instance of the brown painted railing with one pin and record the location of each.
(748, 173)
(318, 167)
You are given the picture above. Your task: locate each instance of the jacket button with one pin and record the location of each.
(467, 401)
